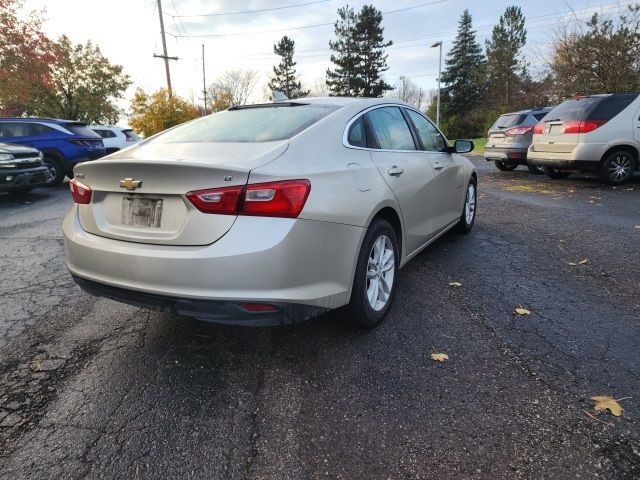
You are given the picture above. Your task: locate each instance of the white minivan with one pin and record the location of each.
(598, 133)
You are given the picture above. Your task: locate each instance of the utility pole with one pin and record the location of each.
(438, 44)
(204, 82)
(165, 56)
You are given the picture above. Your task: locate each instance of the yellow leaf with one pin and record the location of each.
(455, 284)
(604, 403)
(522, 311)
(440, 357)
(582, 262)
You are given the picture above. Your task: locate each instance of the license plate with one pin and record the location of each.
(141, 212)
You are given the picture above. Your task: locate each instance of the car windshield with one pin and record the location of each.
(249, 124)
(508, 120)
(574, 109)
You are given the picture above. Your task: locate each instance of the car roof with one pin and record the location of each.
(531, 110)
(37, 119)
(338, 101)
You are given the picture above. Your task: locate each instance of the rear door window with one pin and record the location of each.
(539, 116)
(391, 129)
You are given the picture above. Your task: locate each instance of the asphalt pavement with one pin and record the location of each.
(90, 388)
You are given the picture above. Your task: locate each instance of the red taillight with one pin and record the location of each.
(584, 126)
(539, 128)
(273, 199)
(519, 130)
(258, 307)
(223, 201)
(80, 192)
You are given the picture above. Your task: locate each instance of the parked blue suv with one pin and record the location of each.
(62, 142)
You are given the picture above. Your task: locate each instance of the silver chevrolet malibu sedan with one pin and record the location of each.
(270, 213)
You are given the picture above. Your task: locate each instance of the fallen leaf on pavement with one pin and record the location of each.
(604, 403)
(440, 357)
(522, 311)
(573, 264)
(455, 284)
(582, 262)
(637, 226)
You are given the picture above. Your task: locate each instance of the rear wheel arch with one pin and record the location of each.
(623, 147)
(390, 215)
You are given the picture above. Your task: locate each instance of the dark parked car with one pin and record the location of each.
(21, 169)
(510, 137)
(64, 143)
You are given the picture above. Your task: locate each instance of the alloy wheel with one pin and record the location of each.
(470, 204)
(380, 273)
(620, 167)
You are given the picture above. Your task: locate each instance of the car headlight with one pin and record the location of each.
(5, 156)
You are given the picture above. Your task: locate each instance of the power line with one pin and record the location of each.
(302, 26)
(247, 11)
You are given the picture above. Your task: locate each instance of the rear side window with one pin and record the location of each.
(357, 135)
(391, 129)
(612, 106)
(509, 120)
(246, 125)
(574, 109)
(539, 116)
(81, 130)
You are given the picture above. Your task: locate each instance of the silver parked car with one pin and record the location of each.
(596, 133)
(509, 139)
(271, 213)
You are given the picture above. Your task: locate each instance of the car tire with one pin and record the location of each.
(505, 167)
(468, 217)
(56, 173)
(536, 169)
(556, 174)
(20, 191)
(617, 168)
(370, 300)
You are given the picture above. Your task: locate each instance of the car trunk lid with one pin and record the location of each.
(139, 195)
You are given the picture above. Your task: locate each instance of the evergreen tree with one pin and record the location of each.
(463, 76)
(359, 56)
(505, 68)
(285, 79)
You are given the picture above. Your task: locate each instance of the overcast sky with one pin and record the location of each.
(128, 33)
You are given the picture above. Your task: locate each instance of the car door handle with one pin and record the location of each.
(395, 171)
(438, 166)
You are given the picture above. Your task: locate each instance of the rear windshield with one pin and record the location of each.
(81, 130)
(509, 120)
(130, 134)
(574, 109)
(254, 124)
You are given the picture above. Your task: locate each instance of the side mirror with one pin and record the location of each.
(463, 146)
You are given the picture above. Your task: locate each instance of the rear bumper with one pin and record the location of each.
(208, 310)
(585, 156)
(13, 180)
(511, 155)
(262, 260)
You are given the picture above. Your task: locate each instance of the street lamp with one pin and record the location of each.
(438, 44)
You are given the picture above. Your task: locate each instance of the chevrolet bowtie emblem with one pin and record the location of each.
(130, 183)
